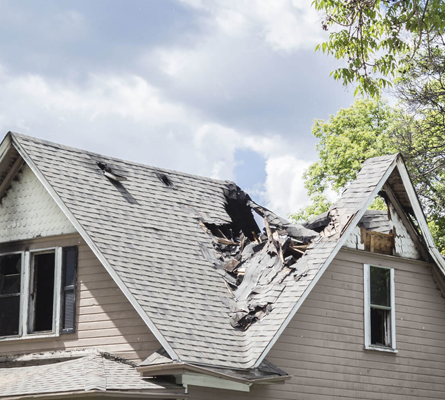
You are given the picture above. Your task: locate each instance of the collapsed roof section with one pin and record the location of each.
(255, 265)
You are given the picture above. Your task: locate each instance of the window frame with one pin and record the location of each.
(367, 310)
(25, 317)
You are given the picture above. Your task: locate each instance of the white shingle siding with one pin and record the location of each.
(405, 246)
(28, 211)
(354, 240)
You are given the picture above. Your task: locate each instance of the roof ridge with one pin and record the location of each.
(116, 159)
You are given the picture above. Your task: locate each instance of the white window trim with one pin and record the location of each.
(367, 311)
(25, 317)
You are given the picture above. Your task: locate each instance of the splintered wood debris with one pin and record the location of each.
(255, 265)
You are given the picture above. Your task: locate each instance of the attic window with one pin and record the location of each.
(165, 180)
(109, 173)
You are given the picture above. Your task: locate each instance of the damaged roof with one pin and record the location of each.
(187, 252)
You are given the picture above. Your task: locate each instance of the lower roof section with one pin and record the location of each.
(78, 374)
(159, 365)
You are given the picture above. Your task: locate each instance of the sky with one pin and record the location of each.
(227, 89)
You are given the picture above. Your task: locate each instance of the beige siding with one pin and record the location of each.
(105, 318)
(323, 345)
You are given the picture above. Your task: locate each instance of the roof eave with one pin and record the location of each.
(182, 368)
(420, 216)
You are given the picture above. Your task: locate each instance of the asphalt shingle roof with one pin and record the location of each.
(149, 233)
(87, 373)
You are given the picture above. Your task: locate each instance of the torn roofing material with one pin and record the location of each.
(190, 258)
(255, 265)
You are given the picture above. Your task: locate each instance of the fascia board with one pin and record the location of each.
(183, 368)
(190, 379)
(356, 219)
(420, 216)
(96, 251)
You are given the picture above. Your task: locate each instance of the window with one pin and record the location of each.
(380, 330)
(38, 292)
(10, 283)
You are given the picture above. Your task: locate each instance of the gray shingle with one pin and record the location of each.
(150, 235)
(96, 371)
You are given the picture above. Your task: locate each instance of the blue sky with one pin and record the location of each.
(222, 88)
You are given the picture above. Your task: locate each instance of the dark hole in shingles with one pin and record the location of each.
(165, 179)
(240, 213)
(102, 166)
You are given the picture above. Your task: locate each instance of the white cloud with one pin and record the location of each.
(286, 25)
(284, 186)
(126, 117)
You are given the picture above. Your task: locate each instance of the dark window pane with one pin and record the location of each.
(380, 286)
(43, 291)
(10, 284)
(9, 315)
(380, 327)
(10, 268)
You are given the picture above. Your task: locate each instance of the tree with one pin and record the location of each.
(369, 128)
(347, 140)
(420, 88)
(374, 37)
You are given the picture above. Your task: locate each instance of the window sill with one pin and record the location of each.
(29, 336)
(383, 349)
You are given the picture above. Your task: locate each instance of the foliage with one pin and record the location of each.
(372, 35)
(421, 89)
(347, 140)
(318, 205)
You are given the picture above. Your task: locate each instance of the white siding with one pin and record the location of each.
(28, 211)
(405, 246)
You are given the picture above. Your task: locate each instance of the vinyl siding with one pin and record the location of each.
(105, 318)
(323, 345)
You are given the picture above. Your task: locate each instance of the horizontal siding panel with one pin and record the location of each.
(323, 346)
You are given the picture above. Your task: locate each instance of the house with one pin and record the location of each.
(120, 280)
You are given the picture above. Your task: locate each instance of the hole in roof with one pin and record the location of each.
(165, 179)
(102, 166)
(109, 173)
